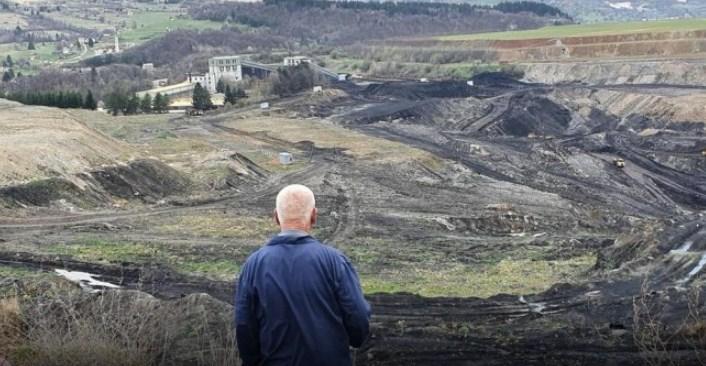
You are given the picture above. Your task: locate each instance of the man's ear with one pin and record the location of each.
(314, 213)
(276, 218)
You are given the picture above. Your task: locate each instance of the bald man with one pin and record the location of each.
(298, 302)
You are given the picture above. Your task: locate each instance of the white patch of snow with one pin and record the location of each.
(695, 271)
(85, 280)
(683, 249)
(621, 5)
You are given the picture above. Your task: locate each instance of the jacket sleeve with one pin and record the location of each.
(356, 311)
(247, 330)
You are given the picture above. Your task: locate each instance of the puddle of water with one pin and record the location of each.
(683, 249)
(696, 270)
(84, 279)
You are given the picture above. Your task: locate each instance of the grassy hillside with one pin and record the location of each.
(582, 30)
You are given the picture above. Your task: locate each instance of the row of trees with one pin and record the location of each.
(69, 99)
(292, 80)
(119, 102)
(201, 98)
(420, 7)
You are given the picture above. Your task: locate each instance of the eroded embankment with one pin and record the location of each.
(142, 180)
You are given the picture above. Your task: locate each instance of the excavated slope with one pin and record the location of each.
(41, 143)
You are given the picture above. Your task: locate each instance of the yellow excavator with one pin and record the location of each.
(619, 163)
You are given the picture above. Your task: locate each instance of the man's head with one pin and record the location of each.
(296, 208)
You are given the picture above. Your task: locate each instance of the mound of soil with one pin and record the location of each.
(142, 180)
(419, 90)
(531, 114)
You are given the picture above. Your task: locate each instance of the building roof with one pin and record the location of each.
(225, 57)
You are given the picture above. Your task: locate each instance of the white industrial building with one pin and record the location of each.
(226, 67)
(295, 60)
(194, 78)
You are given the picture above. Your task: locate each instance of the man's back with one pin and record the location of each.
(299, 302)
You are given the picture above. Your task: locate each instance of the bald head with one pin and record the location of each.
(296, 208)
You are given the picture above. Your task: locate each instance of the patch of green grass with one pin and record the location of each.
(515, 277)
(16, 272)
(216, 225)
(146, 25)
(217, 263)
(222, 269)
(43, 55)
(584, 30)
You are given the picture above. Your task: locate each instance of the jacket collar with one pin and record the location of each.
(288, 237)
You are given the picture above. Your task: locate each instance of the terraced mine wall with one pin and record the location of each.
(674, 72)
(637, 45)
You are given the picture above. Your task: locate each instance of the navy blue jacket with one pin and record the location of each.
(299, 302)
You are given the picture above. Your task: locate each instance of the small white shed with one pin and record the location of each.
(286, 158)
(318, 89)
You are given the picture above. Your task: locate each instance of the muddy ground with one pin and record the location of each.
(489, 223)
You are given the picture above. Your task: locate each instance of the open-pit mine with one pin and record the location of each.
(503, 221)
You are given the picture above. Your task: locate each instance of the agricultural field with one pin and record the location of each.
(145, 25)
(587, 30)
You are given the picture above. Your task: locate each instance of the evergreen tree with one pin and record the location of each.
(61, 100)
(220, 86)
(202, 98)
(9, 62)
(31, 46)
(133, 104)
(146, 104)
(8, 76)
(231, 95)
(89, 102)
(94, 75)
(116, 102)
(165, 103)
(157, 103)
(91, 42)
(160, 103)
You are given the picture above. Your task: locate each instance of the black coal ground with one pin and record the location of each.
(512, 145)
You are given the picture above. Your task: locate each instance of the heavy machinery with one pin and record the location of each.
(619, 163)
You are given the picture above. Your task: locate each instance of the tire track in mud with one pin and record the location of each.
(348, 221)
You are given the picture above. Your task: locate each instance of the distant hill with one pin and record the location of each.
(619, 10)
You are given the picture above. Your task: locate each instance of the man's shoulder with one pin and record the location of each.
(315, 246)
(326, 248)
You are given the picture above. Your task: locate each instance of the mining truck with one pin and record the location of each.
(619, 163)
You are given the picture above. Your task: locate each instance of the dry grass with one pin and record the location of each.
(517, 277)
(117, 328)
(327, 135)
(214, 225)
(10, 325)
(40, 142)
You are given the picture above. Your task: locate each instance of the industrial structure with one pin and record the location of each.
(235, 68)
